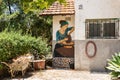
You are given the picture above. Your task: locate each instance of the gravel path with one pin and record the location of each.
(64, 75)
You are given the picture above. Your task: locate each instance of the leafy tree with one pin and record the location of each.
(13, 44)
(36, 5)
(30, 5)
(24, 14)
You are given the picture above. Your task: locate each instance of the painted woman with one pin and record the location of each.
(64, 46)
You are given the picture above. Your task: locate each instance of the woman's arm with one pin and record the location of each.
(63, 41)
(58, 38)
(71, 30)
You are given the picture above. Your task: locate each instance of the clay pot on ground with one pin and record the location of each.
(39, 64)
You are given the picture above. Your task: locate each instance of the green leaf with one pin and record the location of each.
(114, 65)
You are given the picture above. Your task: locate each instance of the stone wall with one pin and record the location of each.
(63, 63)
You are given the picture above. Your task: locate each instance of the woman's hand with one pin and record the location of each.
(69, 44)
(65, 39)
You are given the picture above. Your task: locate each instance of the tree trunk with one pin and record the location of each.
(9, 6)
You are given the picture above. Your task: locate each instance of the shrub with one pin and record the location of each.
(114, 66)
(13, 44)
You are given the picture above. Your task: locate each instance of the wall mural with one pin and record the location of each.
(64, 46)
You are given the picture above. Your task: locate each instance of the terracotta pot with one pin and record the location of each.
(39, 64)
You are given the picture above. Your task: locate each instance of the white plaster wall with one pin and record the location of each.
(93, 9)
(104, 50)
(56, 25)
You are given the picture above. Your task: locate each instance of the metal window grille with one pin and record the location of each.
(102, 28)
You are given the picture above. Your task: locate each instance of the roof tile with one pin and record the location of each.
(56, 8)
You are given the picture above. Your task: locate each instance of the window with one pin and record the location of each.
(94, 30)
(109, 30)
(102, 28)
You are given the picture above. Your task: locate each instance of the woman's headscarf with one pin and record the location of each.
(63, 22)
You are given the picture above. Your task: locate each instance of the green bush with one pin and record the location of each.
(114, 66)
(13, 44)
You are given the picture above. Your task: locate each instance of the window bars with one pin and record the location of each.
(102, 28)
